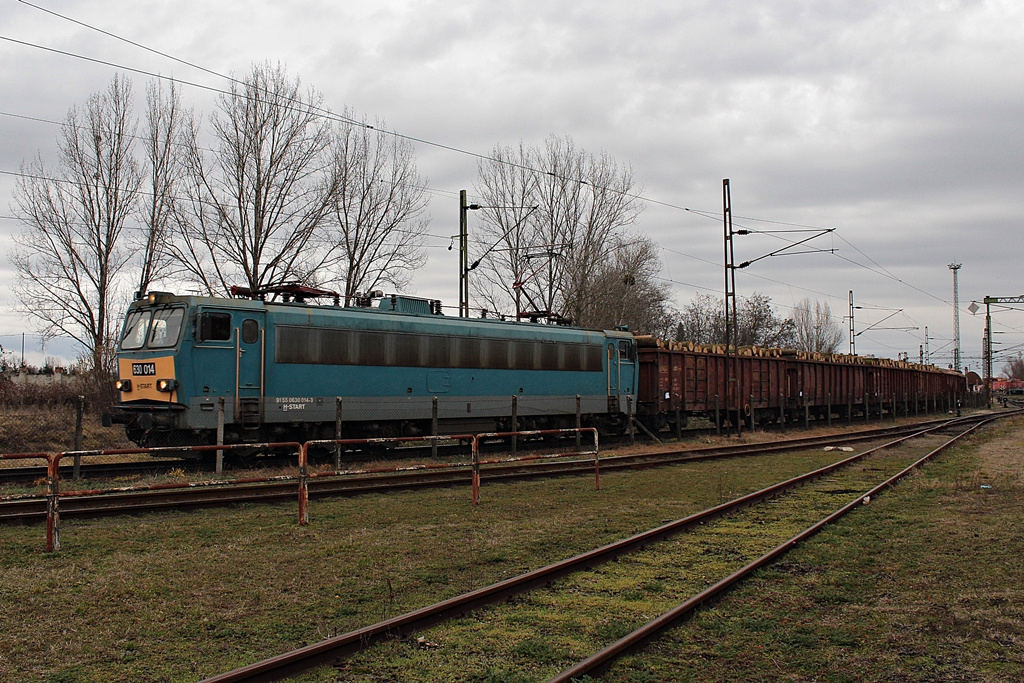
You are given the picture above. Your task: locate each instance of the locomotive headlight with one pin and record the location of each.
(158, 297)
(123, 385)
(166, 385)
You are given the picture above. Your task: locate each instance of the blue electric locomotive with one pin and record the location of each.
(292, 369)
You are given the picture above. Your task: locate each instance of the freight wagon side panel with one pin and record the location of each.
(654, 381)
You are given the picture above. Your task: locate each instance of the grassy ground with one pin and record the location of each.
(181, 596)
(923, 584)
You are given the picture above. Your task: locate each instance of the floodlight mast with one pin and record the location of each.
(955, 267)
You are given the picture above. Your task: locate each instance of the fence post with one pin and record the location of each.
(807, 414)
(849, 409)
(475, 445)
(579, 418)
(629, 419)
(782, 411)
(751, 404)
(79, 410)
(867, 407)
(52, 504)
(337, 433)
(515, 424)
(220, 435)
(303, 485)
(718, 418)
(828, 409)
(433, 428)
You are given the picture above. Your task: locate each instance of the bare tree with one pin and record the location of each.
(608, 203)
(255, 205)
(815, 327)
(1014, 368)
(503, 238)
(158, 205)
(625, 291)
(508, 249)
(703, 321)
(70, 257)
(759, 325)
(553, 251)
(377, 212)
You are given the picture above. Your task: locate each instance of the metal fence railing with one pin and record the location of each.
(70, 474)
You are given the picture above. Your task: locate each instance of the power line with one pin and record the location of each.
(29, 118)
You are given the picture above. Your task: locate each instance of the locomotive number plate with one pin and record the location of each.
(143, 369)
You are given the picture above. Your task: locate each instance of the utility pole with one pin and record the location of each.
(731, 326)
(731, 318)
(464, 254)
(955, 267)
(853, 336)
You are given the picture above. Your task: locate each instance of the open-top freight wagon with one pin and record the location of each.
(751, 385)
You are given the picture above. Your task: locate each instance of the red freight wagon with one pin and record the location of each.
(681, 380)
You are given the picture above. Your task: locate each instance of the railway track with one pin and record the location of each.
(695, 559)
(17, 474)
(14, 473)
(282, 489)
(110, 470)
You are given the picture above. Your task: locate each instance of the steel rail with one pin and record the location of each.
(599, 662)
(156, 498)
(330, 650)
(9, 475)
(17, 473)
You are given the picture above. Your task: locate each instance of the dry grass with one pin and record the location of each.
(51, 429)
(178, 596)
(922, 585)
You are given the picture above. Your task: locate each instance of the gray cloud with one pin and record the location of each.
(897, 123)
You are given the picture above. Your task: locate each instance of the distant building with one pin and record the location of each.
(38, 377)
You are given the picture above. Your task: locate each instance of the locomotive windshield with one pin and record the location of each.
(153, 329)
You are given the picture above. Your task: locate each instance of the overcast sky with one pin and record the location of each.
(900, 124)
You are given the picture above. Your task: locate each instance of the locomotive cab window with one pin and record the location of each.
(215, 327)
(250, 331)
(627, 351)
(135, 329)
(166, 327)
